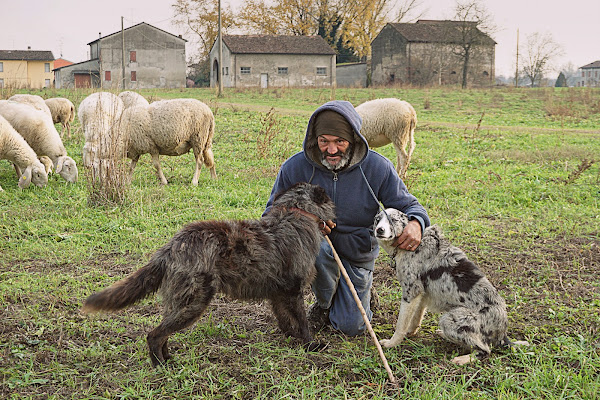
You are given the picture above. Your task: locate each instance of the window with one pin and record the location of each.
(282, 70)
(244, 70)
(321, 70)
(485, 73)
(46, 82)
(46, 67)
(107, 75)
(132, 56)
(225, 71)
(1, 82)
(133, 76)
(1, 66)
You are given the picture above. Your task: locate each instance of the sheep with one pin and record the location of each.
(132, 99)
(37, 129)
(16, 150)
(33, 100)
(390, 121)
(63, 112)
(170, 127)
(99, 115)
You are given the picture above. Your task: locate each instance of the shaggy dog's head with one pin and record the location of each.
(307, 197)
(389, 224)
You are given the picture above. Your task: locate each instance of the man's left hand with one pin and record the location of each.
(410, 238)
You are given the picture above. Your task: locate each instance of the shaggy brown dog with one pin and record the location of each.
(271, 258)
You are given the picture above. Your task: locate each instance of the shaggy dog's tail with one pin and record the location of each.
(129, 290)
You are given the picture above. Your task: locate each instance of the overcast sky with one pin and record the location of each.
(66, 26)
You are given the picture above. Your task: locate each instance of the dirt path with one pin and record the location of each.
(422, 123)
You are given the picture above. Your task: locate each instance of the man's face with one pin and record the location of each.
(335, 151)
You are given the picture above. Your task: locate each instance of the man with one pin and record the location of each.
(336, 157)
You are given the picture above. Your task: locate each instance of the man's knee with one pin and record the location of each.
(351, 325)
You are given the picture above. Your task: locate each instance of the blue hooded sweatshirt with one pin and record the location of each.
(356, 190)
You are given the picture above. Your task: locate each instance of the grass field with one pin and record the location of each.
(512, 176)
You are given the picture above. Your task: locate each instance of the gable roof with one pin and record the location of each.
(277, 44)
(595, 64)
(136, 26)
(434, 31)
(26, 55)
(61, 62)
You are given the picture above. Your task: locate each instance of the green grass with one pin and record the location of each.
(513, 193)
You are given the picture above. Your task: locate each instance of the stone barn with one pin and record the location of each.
(425, 53)
(273, 61)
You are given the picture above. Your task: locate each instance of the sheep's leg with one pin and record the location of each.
(198, 157)
(159, 172)
(209, 161)
(134, 161)
(401, 161)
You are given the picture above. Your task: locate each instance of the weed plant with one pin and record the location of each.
(519, 191)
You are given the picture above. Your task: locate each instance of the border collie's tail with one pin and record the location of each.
(129, 290)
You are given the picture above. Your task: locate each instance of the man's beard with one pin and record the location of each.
(343, 163)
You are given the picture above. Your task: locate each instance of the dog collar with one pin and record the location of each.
(318, 220)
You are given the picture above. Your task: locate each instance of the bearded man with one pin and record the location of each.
(337, 157)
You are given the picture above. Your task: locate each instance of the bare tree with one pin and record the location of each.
(472, 28)
(540, 51)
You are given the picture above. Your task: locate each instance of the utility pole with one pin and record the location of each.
(517, 63)
(220, 66)
(122, 55)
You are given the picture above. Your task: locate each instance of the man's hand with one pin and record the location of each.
(410, 237)
(326, 226)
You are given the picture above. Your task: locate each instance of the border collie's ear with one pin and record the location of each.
(318, 195)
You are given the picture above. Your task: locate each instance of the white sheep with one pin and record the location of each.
(132, 99)
(16, 150)
(99, 115)
(390, 121)
(33, 100)
(37, 129)
(62, 111)
(170, 127)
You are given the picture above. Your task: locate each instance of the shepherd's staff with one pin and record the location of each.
(363, 312)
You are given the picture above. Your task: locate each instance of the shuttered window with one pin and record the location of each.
(107, 75)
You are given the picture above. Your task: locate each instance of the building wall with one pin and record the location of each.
(351, 75)
(301, 70)
(396, 61)
(159, 60)
(64, 78)
(26, 74)
(588, 77)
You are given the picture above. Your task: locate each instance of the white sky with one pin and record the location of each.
(66, 26)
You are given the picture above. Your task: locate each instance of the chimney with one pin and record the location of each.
(28, 47)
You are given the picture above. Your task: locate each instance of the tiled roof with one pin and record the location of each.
(595, 64)
(26, 55)
(277, 44)
(432, 31)
(61, 62)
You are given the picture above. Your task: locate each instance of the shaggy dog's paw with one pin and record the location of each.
(316, 346)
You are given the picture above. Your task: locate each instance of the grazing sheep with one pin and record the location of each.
(33, 100)
(99, 115)
(132, 99)
(172, 128)
(16, 150)
(37, 129)
(63, 112)
(390, 121)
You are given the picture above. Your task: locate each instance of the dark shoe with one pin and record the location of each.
(318, 318)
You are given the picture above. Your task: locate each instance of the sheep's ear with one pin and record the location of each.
(25, 178)
(59, 164)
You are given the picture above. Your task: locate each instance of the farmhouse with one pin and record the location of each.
(273, 61)
(30, 69)
(424, 53)
(153, 58)
(589, 75)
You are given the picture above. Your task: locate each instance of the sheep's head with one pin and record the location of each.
(66, 167)
(36, 174)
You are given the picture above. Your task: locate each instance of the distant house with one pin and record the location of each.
(153, 58)
(589, 75)
(424, 53)
(273, 61)
(30, 69)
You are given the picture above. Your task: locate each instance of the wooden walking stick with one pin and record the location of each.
(363, 312)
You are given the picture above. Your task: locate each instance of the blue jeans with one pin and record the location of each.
(333, 293)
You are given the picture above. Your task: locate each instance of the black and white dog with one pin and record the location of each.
(438, 276)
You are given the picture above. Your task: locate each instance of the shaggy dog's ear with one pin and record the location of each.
(318, 195)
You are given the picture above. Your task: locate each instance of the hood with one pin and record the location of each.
(345, 108)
